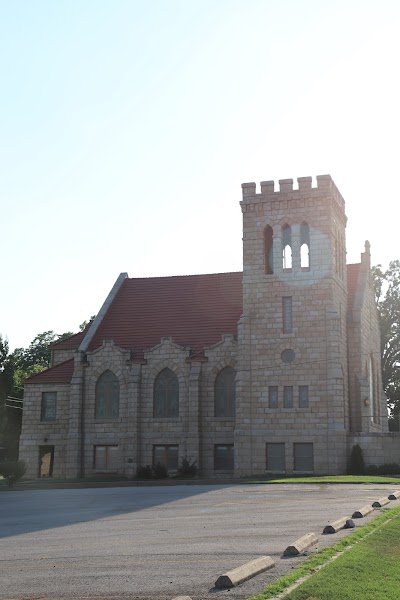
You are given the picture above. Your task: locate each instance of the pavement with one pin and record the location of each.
(154, 543)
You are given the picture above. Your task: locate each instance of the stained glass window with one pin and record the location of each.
(107, 396)
(166, 394)
(225, 393)
(49, 406)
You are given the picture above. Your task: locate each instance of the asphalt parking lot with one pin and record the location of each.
(154, 543)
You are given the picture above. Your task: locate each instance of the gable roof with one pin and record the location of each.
(61, 373)
(72, 342)
(195, 310)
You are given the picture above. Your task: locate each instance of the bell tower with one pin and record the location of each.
(292, 397)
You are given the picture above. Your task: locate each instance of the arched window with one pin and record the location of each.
(304, 247)
(268, 250)
(225, 393)
(107, 396)
(166, 394)
(287, 247)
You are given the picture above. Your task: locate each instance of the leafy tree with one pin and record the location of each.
(387, 293)
(7, 438)
(15, 368)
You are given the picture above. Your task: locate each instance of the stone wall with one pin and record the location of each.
(368, 407)
(37, 433)
(318, 338)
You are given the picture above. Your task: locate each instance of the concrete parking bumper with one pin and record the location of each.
(302, 544)
(245, 572)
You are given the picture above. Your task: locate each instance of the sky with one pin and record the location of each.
(128, 126)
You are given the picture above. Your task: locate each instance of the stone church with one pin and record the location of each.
(275, 369)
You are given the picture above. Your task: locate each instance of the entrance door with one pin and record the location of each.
(46, 461)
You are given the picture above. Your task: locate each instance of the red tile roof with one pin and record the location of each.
(195, 310)
(352, 279)
(72, 342)
(61, 373)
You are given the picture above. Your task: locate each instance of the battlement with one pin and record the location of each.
(325, 184)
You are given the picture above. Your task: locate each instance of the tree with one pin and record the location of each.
(7, 437)
(15, 368)
(387, 293)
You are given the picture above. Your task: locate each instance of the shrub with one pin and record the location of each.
(159, 471)
(144, 472)
(12, 471)
(356, 462)
(187, 468)
(386, 469)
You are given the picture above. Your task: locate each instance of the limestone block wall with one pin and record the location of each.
(378, 448)
(215, 430)
(318, 337)
(176, 431)
(37, 433)
(59, 356)
(367, 414)
(107, 431)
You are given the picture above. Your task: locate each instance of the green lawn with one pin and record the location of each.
(369, 569)
(332, 479)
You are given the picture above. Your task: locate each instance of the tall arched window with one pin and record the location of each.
(304, 247)
(166, 394)
(287, 247)
(225, 393)
(107, 396)
(268, 250)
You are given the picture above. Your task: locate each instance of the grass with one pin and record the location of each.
(332, 479)
(369, 570)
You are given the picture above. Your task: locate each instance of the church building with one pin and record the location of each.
(275, 369)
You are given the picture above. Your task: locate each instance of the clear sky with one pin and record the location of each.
(128, 126)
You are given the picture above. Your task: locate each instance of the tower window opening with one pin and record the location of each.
(268, 250)
(305, 247)
(287, 248)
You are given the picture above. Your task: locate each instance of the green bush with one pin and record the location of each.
(187, 468)
(385, 469)
(356, 463)
(12, 471)
(159, 471)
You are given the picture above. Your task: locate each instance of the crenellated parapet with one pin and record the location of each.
(269, 190)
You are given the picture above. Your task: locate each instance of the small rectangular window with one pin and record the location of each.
(273, 396)
(106, 458)
(275, 457)
(303, 457)
(287, 314)
(166, 455)
(49, 406)
(288, 396)
(223, 457)
(303, 396)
